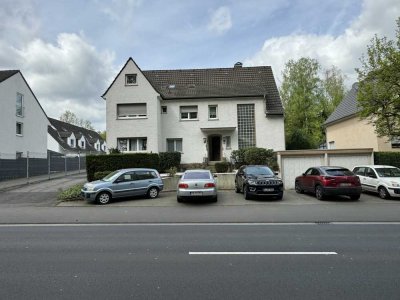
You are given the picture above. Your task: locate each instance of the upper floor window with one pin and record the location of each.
(20, 105)
(396, 142)
(213, 112)
(163, 109)
(83, 144)
(130, 79)
(72, 142)
(174, 145)
(131, 110)
(331, 145)
(188, 112)
(19, 128)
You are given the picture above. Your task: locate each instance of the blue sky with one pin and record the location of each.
(69, 51)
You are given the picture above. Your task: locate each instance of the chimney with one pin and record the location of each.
(238, 65)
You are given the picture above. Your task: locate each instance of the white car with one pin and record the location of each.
(384, 180)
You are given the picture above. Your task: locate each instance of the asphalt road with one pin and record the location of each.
(153, 262)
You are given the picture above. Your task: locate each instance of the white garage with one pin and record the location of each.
(293, 163)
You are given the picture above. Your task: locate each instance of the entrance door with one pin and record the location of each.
(214, 151)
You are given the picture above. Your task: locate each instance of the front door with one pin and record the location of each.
(214, 150)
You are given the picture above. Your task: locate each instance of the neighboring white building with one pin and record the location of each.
(202, 113)
(23, 120)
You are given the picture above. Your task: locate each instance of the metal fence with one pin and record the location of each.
(30, 164)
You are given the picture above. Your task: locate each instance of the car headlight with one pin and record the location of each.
(395, 184)
(90, 188)
(252, 182)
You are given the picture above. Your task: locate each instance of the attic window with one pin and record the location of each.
(130, 79)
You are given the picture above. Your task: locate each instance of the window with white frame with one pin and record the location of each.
(19, 105)
(227, 140)
(19, 128)
(131, 111)
(174, 145)
(130, 79)
(188, 112)
(132, 144)
(72, 142)
(213, 112)
(331, 145)
(83, 144)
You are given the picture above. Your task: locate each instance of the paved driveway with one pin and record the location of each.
(230, 198)
(41, 193)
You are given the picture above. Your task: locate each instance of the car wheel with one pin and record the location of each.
(152, 192)
(179, 199)
(237, 190)
(355, 197)
(383, 193)
(279, 197)
(214, 199)
(298, 188)
(245, 194)
(103, 198)
(319, 192)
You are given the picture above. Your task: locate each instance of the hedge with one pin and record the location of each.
(387, 158)
(169, 160)
(112, 162)
(255, 156)
(222, 167)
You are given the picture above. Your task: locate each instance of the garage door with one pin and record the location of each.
(349, 161)
(295, 166)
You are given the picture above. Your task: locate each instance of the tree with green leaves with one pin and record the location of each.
(379, 85)
(308, 100)
(69, 117)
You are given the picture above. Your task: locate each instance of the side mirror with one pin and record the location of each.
(215, 175)
(304, 174)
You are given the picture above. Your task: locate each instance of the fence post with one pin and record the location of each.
(79, 162)
(65, 163)
(48, 163)
(27, 166)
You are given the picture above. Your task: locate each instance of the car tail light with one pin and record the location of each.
(329, 181)
(183, 185)
(210, 184)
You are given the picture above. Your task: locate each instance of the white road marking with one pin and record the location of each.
(262, 253)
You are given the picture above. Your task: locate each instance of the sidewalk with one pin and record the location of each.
(15, 183)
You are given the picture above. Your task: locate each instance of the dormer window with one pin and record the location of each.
(72, 143)
(130, 79)
(82, 144)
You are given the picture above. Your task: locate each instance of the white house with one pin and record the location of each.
(203, 113)
(23, 121)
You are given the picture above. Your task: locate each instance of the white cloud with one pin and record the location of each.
(120, 10)
(220, 21)
(343, 51)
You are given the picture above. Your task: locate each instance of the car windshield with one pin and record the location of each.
(388, 172)
(259, 171)
(196, 175)
(110, 176)
(339, 172)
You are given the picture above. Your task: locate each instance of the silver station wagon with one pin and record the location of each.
(124, 183)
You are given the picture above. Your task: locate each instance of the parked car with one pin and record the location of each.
(197, 184)
(329, 181)
(258, 181)
(384, 180)
(124, 183)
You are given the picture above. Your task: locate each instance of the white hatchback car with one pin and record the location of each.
(384, 180)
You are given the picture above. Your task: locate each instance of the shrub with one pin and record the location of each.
(101, 175)
(112, 162)
(71, 194)
(172, 171)
(169, 160)
(191, 166)
(237, 157)
(222, 167)
(114, 151)
(255, 156)
(387, 158)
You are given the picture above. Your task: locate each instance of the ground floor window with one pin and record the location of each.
(19, 129)
(132, 144)
(174, 145)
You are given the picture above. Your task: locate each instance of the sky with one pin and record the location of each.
(69, 51)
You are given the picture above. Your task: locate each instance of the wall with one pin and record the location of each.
(34, 121)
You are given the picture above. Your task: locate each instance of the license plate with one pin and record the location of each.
(268, 190)
(345, 184)
(196, 193)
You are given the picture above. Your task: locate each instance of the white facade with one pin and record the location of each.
(199, 139)
(25, 129)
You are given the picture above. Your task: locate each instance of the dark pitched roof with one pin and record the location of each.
(58, 138)
(347, 108)
(216, 83)
(6, 74)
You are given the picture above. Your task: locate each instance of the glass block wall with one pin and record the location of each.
(246, 126)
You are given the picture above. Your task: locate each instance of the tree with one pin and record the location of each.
(379, 85)
(71, 118)
(308, 101)
(103, 134)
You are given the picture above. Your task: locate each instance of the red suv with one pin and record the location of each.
(329, 181)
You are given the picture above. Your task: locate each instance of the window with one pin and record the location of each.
(19, 105)
(126, 177)
(213, 112)
(188, 112)
(396, 142)
(132, 144)
(227, 142)
(141, 175)
(130, 79)
(19, 129)
(174, 145)
(82, 144)
(72, 142)
(332, 145)
(132, 110)
(163, 109)
(246, 126)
